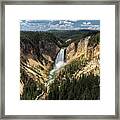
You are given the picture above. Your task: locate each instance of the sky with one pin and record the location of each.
(45, 25)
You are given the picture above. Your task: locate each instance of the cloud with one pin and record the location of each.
(43, 25)
(84, 23)
(88, 23)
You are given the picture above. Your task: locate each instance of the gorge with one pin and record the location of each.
(57, 65)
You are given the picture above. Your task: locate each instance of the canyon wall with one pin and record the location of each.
(37, 58)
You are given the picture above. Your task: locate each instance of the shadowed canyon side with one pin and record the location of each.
(38, 52)
(60, 65)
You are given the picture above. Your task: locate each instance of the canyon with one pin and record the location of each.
(79, 55)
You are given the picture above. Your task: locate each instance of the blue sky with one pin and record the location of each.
(44, 25)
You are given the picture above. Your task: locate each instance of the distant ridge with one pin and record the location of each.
(45, 25)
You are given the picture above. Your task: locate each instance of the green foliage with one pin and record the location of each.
(67, 86)
(86, 88)
(74, 66)
(94, 40)
(72, 34)
(31, 87)
(59, 37)
(34, 37)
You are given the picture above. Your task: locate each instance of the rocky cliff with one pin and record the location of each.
(83, 56)
(37, 57)
(79, 78)
(87, 49)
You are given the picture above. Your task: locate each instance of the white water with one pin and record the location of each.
(59, 61)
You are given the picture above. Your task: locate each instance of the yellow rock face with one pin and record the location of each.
(84, 52)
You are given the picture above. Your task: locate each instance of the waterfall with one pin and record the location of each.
(59, 61)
